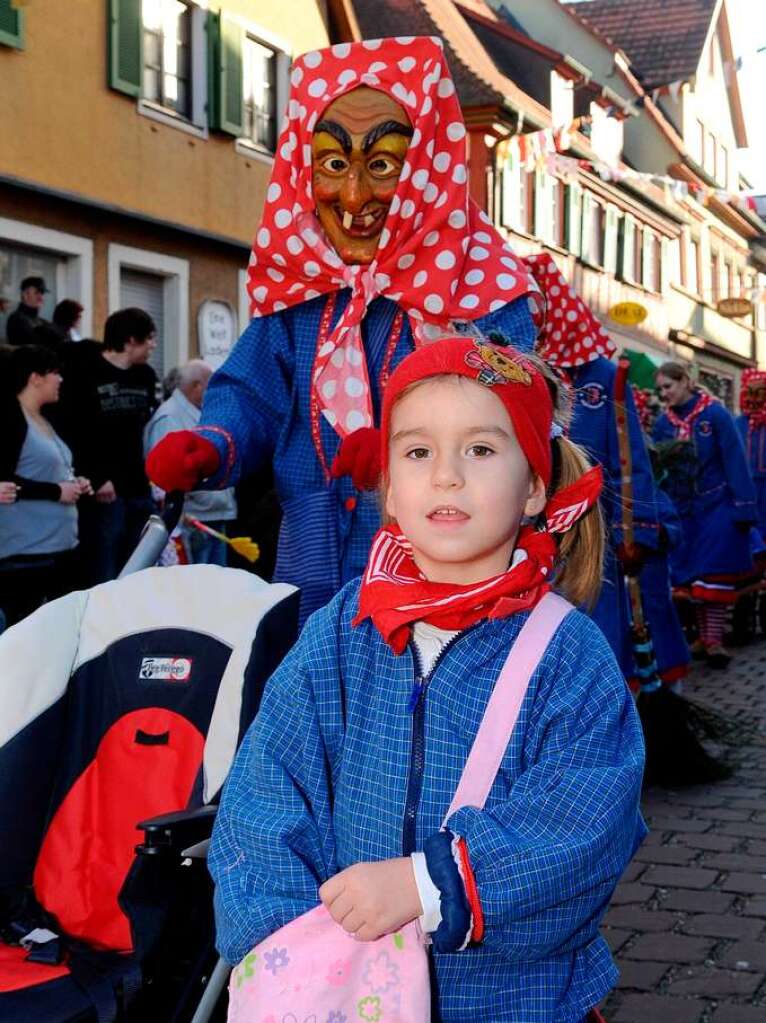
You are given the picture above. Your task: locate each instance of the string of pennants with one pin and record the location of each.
(544, 149)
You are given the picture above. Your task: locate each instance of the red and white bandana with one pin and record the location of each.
(754, 410)
(439, 258)
(570, 335)
(683, 424)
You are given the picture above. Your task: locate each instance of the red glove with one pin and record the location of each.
(359, 458)
(181, 460)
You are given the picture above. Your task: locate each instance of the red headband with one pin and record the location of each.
(516, 382)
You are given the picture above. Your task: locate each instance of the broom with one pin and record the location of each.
(243, 545)
(674, 754)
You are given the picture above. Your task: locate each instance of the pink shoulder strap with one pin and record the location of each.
(504, 704)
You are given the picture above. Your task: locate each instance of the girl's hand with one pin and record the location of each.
(371, 899)
(70, 491)
(86, 488)
(8, 492)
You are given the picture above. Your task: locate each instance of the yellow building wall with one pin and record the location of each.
(75, 134)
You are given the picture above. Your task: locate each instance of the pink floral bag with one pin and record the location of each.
(311, 970)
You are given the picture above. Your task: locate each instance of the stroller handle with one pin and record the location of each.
(155, 535)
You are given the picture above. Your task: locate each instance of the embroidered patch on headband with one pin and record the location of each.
(496, 366)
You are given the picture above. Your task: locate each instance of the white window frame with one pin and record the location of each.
(284, 52)
(197, 125)
(75, 279)
(175, 295)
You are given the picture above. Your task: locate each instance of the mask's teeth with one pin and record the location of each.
(347, 220)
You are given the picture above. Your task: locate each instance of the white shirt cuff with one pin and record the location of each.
(430, 896)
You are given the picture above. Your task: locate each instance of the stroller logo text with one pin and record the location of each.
(165, 669)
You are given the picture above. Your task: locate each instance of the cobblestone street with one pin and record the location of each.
(688, 921)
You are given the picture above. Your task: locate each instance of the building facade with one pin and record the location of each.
(138, 145)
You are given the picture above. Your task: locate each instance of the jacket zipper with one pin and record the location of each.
(417, 707)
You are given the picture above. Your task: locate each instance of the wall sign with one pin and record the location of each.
(731, 307)
(629, 314)
(217, 331)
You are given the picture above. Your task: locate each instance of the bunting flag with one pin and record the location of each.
(540, 149)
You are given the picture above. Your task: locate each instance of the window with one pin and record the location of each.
(650, 260)
(719, 384)
(11, 25)
(558, 197)
(527, 197)
(698, 142)
(638, 255)
(693, 267)
(259, 82)
(709, 161)
(628, 248)
(715, 265)
(592, 231)
(167, 55)
(723, 166)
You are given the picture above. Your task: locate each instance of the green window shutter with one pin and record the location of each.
(11, 26)
(628, 271)
(585, 228)
(126, 46)
(611, 234)
(574, 218)
(225, 105)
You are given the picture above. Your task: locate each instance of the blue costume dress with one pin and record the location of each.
(324, 779)
(755, 446)
(594, 427)
(257, 409)
(670, 647)
(716, 506)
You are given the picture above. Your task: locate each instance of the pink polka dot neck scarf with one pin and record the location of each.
(571, 335)
(439, 258)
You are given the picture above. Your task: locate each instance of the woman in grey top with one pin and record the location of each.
(38, 525)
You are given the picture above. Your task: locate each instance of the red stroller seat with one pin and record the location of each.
(117, 705)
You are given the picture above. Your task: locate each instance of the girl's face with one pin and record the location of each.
(673, 392)
(458, 482)
(49, 385)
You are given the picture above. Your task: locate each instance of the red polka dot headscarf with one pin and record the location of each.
(438, 257)
(571, 335)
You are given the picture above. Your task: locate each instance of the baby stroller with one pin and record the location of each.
(121, 709)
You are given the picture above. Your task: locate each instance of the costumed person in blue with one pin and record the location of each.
(715, 501)
(670, 646)
(369, 247)
(340, 787)
(752, 428)
(575, 344)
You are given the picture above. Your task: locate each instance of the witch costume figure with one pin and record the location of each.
(369, 247)
(716, 502)
(752, 428)
(574, 343)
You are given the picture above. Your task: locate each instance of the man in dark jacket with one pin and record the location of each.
(108, 396)
(25, 326)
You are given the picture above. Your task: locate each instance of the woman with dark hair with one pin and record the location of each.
(38, 518)
(715, 500)
(66, 319)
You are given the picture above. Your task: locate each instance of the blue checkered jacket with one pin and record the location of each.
(321, 780)
(257, 410)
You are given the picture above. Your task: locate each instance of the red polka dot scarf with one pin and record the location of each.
(571, 335)
(439, 257)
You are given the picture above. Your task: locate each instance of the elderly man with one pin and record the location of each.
(181, 411)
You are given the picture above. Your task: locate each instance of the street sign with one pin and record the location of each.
(217, 330)
(731, 307)
(629, 314)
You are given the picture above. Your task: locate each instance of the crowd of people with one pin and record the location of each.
(78, 418)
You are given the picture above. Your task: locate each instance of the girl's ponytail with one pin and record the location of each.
(581, 550)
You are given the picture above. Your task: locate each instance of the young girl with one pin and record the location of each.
(340, 786)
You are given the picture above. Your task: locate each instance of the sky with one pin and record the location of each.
(747, 22)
